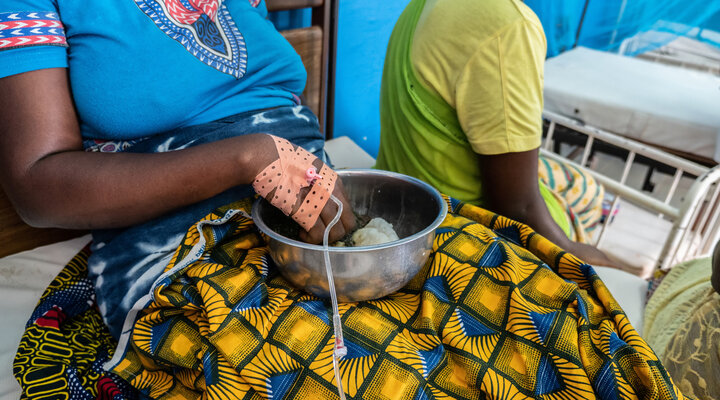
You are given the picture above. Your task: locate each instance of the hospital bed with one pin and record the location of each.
(669, 107)
(662, 115)
(686, 221)
(684, 52)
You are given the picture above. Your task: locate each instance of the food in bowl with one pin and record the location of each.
(377, 231)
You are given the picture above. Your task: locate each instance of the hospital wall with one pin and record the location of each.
(363, 33)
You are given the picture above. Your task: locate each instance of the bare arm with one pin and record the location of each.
(52, 182)
(510, 184)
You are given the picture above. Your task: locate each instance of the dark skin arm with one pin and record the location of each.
(511, 180)
(52, 182)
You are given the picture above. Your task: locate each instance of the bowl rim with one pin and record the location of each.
(358, 171)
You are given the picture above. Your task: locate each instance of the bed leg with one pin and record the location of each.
(648, 186)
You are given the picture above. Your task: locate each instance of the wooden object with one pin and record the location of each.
(308, 44)
(281, 5)
(16, 236)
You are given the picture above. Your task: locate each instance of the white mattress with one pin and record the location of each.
(655, 103)
(686, 52)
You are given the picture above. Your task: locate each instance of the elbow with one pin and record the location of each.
(34, 208)
(47, 216)
(40, 195)
(35, 216)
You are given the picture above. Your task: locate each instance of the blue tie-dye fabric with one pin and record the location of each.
(125, 262)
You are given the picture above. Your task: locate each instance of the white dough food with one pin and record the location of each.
(377, 231)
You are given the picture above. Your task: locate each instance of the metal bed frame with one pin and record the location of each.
(695, 221)
(699, 58)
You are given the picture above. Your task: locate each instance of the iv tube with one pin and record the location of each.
(339, 349)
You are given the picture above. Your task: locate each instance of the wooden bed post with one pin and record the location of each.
(327, 17)
(316, 45)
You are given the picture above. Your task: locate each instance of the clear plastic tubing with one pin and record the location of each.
(339, 350)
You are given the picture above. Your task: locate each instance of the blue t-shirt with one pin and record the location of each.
(143, 67)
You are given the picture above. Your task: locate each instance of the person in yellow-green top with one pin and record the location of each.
(461, 108)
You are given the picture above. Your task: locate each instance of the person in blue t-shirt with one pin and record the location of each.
(135, 118)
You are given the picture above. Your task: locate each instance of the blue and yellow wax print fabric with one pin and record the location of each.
(65, 344)
(497, 312)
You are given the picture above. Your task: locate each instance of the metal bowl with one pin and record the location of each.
(413, 207)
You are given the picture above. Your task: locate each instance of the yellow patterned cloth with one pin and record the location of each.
(497, 312)
(682, 291)
(577, 193)
(65, 344)
(682, 322)
(693, 355)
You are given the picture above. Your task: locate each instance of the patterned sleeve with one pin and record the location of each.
(31, 36)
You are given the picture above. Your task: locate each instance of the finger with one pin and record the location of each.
(345, 225)
(327, 215)
(348, 216)
(315, 234)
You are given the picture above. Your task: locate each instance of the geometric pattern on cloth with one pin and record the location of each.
(65, 344)
(205, 28)
(577, 190)
(485, 318)
(24, 29)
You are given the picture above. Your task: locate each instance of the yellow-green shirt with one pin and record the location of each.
(461, 78)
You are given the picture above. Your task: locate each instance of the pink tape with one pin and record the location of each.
(288, 175)
(316, 198)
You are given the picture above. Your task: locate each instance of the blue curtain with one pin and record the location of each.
(710, 30)
(607, 23)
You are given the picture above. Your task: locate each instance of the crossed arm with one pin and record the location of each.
(52, 182)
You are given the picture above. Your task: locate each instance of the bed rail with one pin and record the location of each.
(695, 221)
(685, 51)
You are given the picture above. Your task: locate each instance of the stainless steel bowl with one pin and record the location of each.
(413, 207)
